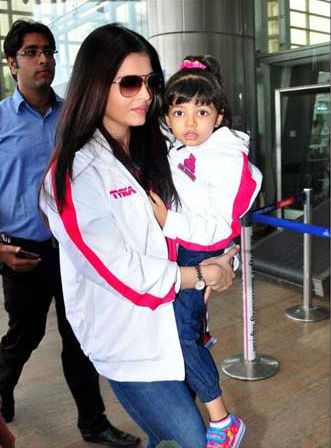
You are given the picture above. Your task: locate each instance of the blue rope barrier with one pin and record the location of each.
(324, 232)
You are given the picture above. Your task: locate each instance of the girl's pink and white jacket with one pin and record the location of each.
(118, 280)
(217, 185)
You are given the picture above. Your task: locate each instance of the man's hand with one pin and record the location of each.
(7, 440)
(159, 208)
(8, 255)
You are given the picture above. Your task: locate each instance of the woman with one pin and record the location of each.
(118, 272)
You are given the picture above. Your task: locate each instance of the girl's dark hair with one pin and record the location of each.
(205, 84)
(98, 61)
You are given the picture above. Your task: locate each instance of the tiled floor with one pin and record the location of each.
(288, 410)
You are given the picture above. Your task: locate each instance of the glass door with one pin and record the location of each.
(303, 143)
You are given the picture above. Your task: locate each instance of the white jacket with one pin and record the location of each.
(118, 282)
(216, 185)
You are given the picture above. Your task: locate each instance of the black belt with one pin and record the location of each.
(7, 239)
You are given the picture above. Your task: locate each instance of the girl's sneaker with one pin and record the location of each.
(208, 340)
(228, 436)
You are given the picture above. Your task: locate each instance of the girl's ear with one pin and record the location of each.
(166, 117)
(219, 120)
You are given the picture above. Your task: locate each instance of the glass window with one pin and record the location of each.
(319, 7)
(71, 29)
(318, 38)
(21, 5)
(298, 19)
(293, 26)
(79, 33)
(273, 45)
(273, 8)
(298, 37)
(319, 24)
(4, 24)
(299, 5)
(3, 57)
(9, 83)
(73, 50)
(273, 27)
(19, 17)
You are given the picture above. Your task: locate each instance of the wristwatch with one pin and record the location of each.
(200, 284)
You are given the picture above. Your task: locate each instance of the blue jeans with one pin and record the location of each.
(165, 411)
(201, 372)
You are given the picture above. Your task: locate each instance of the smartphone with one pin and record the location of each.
(27, 255)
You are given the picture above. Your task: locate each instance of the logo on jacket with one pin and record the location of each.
(188, 167)
(122, 192)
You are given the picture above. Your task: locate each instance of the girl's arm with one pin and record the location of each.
(228, 195)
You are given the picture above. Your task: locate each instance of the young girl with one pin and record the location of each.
(119, 276)
(216, 186)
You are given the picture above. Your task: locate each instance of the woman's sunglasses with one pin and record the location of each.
(130, 85)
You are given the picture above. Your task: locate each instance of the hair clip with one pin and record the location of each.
(192, 64)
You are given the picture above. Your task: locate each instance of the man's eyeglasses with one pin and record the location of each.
(33, 53)
(130, 85)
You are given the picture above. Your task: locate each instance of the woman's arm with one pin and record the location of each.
(106, 243)
(216, 271)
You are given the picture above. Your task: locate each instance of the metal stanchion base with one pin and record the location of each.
(263, 367)
(303, 314)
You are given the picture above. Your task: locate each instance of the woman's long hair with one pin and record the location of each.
(97, 63)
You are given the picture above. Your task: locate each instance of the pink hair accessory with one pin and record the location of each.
(192, 64)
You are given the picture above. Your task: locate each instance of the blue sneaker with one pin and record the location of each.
(230, 436)
(208, 340)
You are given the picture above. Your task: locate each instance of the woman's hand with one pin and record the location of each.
(217, 277)
(159, 208)
(221, 279)
(216, 271)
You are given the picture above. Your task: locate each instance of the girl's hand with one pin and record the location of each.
(159, 208)
(207, 294)
(219, 279)
(224, 260)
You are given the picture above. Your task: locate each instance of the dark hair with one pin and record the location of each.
(15, 36)
(97, 63)
(205, 84)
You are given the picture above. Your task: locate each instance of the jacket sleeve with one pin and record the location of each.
(93, 241)
(227, 197)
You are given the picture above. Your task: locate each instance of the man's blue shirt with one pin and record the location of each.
(27, 140)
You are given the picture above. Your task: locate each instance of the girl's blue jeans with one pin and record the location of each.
(165, 411)
(201, 372)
